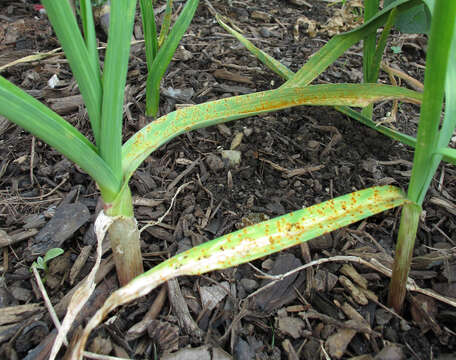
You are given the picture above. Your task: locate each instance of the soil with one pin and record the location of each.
(302, 317)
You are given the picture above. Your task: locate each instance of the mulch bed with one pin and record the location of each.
(289, 160)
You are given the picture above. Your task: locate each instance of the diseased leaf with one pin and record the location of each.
(254, 242)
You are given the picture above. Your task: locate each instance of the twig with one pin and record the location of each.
(417, 85)
(32, 159)
(373, 264)
(47, 302)
(153, 223)
(55, 319)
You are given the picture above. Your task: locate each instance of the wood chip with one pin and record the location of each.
(12, 314)
(79, 263)
(337, 343)
(354, 291)
(350, 271)
(228, 75)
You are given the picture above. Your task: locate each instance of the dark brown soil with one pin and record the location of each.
(299, 318)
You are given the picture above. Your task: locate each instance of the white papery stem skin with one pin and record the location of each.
(82, 294)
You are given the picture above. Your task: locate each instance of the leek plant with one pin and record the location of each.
(111, 163)
(431, 144)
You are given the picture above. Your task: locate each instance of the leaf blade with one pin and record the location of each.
(114, 79)
(64, 23)
(254, 242)
(140, 145)
(165, 55)
(38, 119)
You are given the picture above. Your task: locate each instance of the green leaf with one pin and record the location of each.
(150, 31)
(369, 42)
(114, 78)
(148, 139)
(266, 59)
(39, 264)
(52, 253)
(416, 20)
(393, 134)
(64, 23)
(396, 49)
(166, 22)
(164, 56)
(342, 42)
(438, 61)
(31, 115)
(90, 36)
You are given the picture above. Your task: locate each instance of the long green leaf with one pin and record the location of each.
(64, 23)
(372, 64)
(287, 74)
(31, 115)
(438, 57)
(369, 42)
(88, 26)
(166, 22)
(266, 59)
(448, 153)
(164, 56)
(254, 242)
(150, 31)
(148, 139)
(377, 59)
(449, 120)
(114, 78)
(393, 134)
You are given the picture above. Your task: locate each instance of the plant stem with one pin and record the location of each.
(126, 249)
(124, 237)
(424, 162)
(404, 250)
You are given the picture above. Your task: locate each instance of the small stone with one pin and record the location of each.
(313, 145)
(21, 294)
(382, 317)
(214, 162)
(405, 326)
(237, 140)
(224, 130)
(182, 54)
(390, 352)
(232, 157)
(291, 326)
(249, 285)
(265, 32)
(247, 131)
(267, 264)
(260, 15)
(101, 345)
